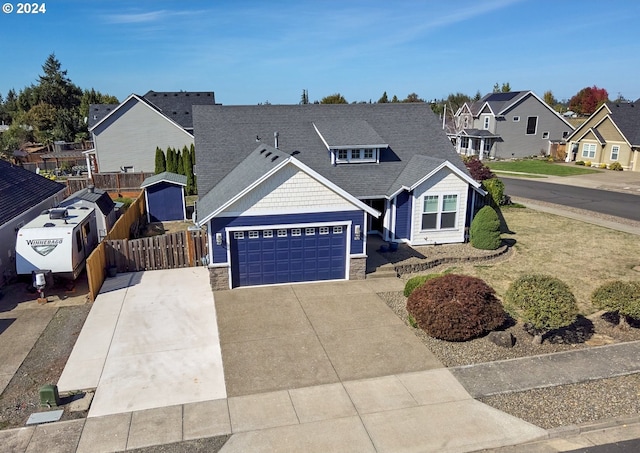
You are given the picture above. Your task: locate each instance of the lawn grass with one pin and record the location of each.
(582, 255)
(540, 167)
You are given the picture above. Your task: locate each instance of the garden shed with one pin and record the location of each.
(165, 197)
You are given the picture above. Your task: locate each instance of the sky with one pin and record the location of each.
(251, 52)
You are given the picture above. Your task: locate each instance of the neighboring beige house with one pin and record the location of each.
(611, 134)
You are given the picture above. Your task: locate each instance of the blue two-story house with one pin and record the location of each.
(289, 193)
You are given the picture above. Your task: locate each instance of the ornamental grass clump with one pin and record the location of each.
(622, 298)
(455, 307)
(543, 303)
(484, 233)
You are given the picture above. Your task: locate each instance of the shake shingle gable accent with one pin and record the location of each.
(257, 167)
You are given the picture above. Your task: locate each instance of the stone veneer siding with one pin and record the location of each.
(357, 268)
(219, 278)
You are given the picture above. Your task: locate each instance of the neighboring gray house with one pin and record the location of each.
(91, 197)
(125, 136)
(23, 196)
(289, 193)
(506, 125)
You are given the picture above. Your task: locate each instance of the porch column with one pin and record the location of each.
(481, 152)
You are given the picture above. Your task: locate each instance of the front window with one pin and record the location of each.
(487, 145)
(589, 150)
(487, 121)
(532, 125)
(439, 212)
(615, 151)
(464, 142)
(356, 155)
(430, 212)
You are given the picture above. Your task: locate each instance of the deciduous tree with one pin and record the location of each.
(336, 98)
(588, 99)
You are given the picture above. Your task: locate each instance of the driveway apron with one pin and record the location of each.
(294, 336)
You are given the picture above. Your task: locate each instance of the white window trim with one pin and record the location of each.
(486, 122)
(545, 134)
(439, 212)
(357, 160)
(586, 152)
(617, 152)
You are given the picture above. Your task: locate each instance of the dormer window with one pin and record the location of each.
(356, 156)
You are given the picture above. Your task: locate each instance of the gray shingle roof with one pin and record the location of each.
(225, 135)
(21, 190)
(98, 111)
(258, 163)
(97, 196)
(165, 176)
(627, 118)
(348, 133)
(177, 104)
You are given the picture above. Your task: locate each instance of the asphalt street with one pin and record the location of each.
(603, 201)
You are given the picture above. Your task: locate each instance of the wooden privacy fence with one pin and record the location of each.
(168, 251)
(97, 261)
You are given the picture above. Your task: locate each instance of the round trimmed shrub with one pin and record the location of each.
(618, 296)
(416, 281)
(543, 302)
(616, 166)
(485, 229)
(455, 307)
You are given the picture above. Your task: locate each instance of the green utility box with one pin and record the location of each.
(49, 395)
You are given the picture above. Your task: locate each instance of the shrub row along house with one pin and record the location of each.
(611, 134)
(289, 193)
(507, 125)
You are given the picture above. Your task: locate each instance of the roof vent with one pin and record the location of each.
(268, 154)
(48, 225)
(276, 136)
(273, 159)
(91, 188)
(262, 150)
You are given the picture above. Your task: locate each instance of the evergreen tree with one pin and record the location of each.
(188, 171)
(161, 162)
(193, 169)
(180, 164)
(394, 99)
(383, 99)
(171, 160)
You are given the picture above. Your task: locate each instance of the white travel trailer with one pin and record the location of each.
(58, 240)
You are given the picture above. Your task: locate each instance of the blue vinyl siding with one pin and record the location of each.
(218, 225)
(165, 202)
(403, 215)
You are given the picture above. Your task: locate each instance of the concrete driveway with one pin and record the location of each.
(150, 341)
(294, 336)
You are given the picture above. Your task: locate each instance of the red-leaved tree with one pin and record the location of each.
(588, 99)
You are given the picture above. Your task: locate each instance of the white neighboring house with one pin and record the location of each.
(23, 196)
(126, 135)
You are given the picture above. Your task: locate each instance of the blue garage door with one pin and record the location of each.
(265, 257)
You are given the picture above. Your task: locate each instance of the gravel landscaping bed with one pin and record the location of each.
(43, 365)
(549, 407)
